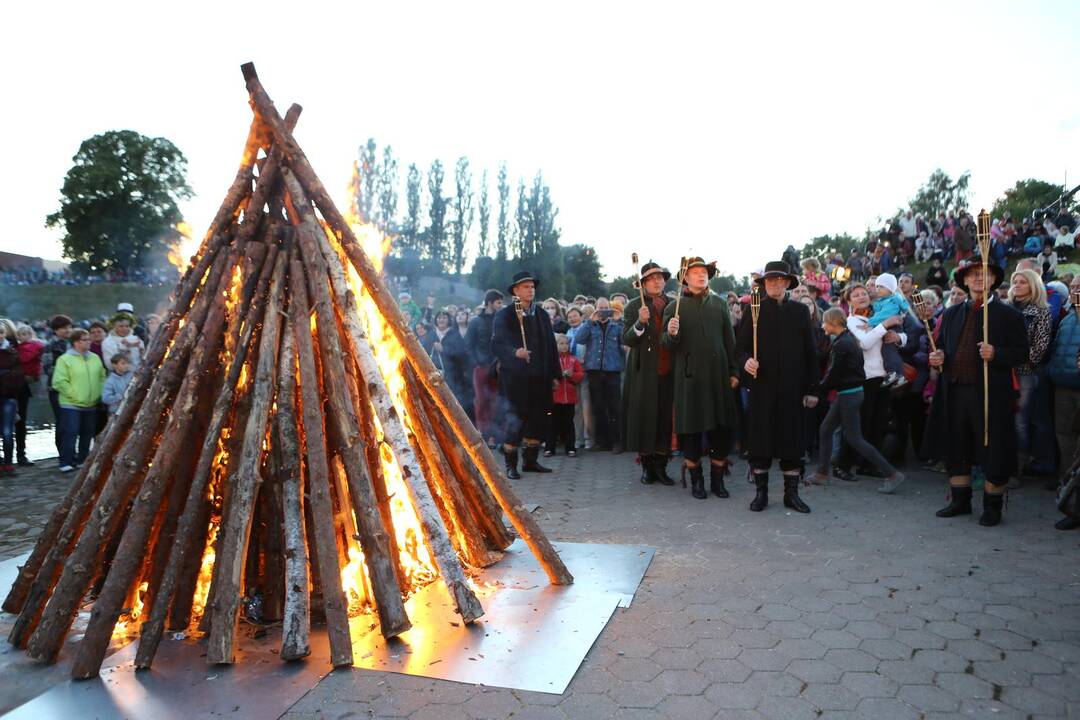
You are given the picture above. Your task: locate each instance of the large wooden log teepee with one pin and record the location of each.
(285, 438)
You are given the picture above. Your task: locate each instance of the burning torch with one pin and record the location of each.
(983, 237)
(755, 311)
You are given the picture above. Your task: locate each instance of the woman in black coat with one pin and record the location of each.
(447, 350)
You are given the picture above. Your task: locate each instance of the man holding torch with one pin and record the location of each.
(778, 354)
(956, 425)
(524, 344)
(698, 332)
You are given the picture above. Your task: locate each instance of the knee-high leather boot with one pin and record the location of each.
(791, 494)
(959, 502)
(761, 499)
(530, 454)
(697, 482)
(511, 464)
(716, 479)
(992, 505)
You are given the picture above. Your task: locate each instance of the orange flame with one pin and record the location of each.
(182, 250)
(128, 622)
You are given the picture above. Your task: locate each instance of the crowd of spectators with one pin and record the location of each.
(151, 277)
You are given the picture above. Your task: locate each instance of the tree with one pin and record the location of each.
(940, 194)
(119, 201)
(824, 245)
(521, 223)
(388, 190)
(369, 180)
(484, 211)
(581, 271)
(1027, 196)
(504, 213)
(410, 230)
(435, 234)
(463, 211)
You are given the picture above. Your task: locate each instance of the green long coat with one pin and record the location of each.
(704, 363)
(641, 385)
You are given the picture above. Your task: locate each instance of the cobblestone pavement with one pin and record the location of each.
(26, 501)
(870, 607)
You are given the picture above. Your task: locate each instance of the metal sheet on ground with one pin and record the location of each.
(533, 636)
(182, 686)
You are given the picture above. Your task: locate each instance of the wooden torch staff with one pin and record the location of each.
(755, 311)
(920, 309)
(520, 312)
(637, 271)
(984, 248)
(678, 285)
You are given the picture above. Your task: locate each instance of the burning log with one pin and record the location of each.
(322, 514)
(231, 554)
(296, 619)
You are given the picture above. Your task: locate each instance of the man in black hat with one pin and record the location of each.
(527, 371)
(702, 344)
(955, 430)
(647, 381)
(782, 381)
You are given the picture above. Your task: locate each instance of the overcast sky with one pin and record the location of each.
(662, 128)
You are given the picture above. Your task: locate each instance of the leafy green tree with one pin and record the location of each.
(824, 245)
(410, 229)
(521, 223)
(484, 212)
(463, 211)
(504, 214)
(721, 284)
(435, 233)
(1025, 197)
(388, 190)
(581, 271)
(119, 201)
(939, 194)
(623, 284)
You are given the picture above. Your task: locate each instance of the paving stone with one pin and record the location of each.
(830, 696)
(787, 708)
(730, 671)
(495, 703)
(964, 685)
(635, 694)
(929, 698)
(732, 696)
(1032, 701)
(866, 684)
(764, 659)
(887, 709)
(837, 638)
(814, 671)
(885, 649)
(847, 659)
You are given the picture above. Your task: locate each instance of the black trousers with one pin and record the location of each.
(54, 401)
(605, 392)
(20, 424)
(874, 419)
(965, 447)
(562, 428)
(665, 414)
(717, 442)
(531, 418)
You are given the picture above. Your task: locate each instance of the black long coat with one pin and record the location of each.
(1009, 338)
(453, 362)
(640, 406)
(788, 371)
(703, 363)
(514, 373)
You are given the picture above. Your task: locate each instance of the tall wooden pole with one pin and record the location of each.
(984, 248)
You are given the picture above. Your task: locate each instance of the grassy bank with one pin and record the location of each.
(37, 302)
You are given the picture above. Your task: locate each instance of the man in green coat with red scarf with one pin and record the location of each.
(702, 344)
(648, 386)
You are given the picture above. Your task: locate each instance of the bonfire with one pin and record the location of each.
(286, 442)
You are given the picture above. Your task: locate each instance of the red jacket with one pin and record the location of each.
(30, 358)
(566, 389)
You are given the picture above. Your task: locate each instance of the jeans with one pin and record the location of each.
(844, 413)
(8, 411)
(76, 425)
(1028, 383)
(875, 418)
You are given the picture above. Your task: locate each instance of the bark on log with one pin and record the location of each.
(232, 553)
(484, 506)
(467, 434)
(335, 607)
(443, 484)
(373, 537)
(196, 512)
(179, 429)
(56, 617)
(296, 620)
(272, 580)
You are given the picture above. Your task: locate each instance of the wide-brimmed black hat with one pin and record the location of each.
(966, 265)
(778, 268)
(651, 268)
(693, 262)
(523, 276)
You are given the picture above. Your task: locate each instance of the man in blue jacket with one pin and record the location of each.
(1063, 369)
(604, 361)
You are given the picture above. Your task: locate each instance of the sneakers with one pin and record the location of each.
(888, 485)
(66, 468)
